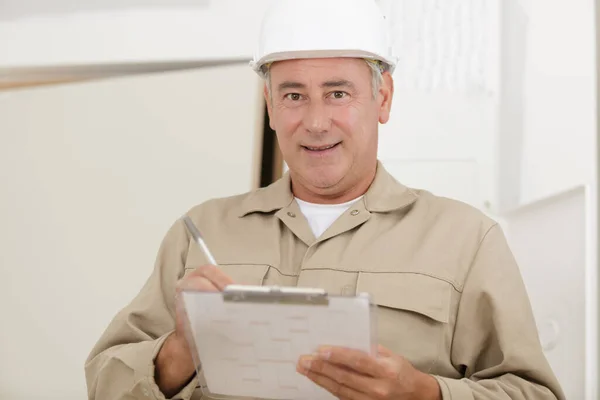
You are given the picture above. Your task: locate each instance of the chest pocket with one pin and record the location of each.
(243, 274)
(413, 313)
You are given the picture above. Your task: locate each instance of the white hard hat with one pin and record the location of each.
(293, 29)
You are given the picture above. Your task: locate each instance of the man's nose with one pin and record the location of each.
(317, 118)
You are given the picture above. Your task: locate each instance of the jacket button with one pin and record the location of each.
(354, 212)
(291, 214)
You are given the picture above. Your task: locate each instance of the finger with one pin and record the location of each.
(357, 360)
(216, 276)
(343, 376)
(196, 282)
(338, 390)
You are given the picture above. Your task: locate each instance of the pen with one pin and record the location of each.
(198, 239)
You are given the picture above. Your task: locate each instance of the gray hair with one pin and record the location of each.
(377, 70)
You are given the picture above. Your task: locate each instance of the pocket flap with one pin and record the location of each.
(246, 274)
(408, 291)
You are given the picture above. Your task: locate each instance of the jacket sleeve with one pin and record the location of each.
(496, 344)
(121, 365)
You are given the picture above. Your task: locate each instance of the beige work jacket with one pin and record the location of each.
(451, 298)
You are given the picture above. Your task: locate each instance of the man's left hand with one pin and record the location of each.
(354, 375)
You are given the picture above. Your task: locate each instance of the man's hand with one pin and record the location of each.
(354, 375)
(174, 364)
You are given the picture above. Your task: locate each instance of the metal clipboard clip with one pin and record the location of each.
(275, 295)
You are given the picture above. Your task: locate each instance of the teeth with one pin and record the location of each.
(320, 148)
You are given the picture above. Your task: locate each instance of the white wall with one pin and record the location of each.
(560, 141)
(560, 103)
(92, 175)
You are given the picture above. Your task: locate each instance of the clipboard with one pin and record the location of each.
(246, 340)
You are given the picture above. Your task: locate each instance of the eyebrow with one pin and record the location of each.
(337, 83)
(328, 84)
(291, 85)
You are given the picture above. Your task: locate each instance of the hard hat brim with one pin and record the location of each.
(257, 64)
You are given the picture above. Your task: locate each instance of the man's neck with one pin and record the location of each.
(333, 195)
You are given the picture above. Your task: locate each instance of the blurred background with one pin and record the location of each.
(117, 116)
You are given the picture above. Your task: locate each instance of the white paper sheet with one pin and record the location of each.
(252, 349)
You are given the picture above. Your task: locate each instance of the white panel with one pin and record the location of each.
(92, 176)
(28, 8)
(511, 132)
(442, 129)
(438, 125)
(548, 239)
(445, 109)
(226, 30)
(446, 45)
(560, 121)
(455, 179)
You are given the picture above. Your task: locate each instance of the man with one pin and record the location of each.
(454, 321)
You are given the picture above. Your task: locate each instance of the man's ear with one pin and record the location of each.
(268, 99)
(387, 92)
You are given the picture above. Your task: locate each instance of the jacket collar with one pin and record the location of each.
(385, 194)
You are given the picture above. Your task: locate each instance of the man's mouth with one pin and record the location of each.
(321, 148)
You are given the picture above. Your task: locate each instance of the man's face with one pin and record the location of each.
(326, 119)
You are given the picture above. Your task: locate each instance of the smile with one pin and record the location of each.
(321, 148)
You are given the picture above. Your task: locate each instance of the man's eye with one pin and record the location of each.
(293, 96)
(338, 95)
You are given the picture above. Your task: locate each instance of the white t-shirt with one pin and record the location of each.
(321, 216)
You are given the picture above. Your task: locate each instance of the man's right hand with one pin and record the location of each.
(174, 365)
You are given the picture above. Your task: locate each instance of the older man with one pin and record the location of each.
(454, 321)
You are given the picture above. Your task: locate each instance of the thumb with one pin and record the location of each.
(384, 351)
